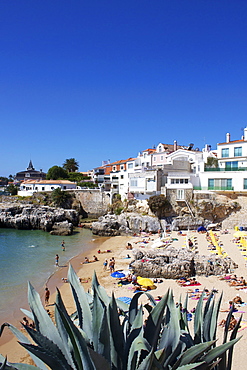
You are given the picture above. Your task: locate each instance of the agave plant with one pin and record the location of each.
(105, 333)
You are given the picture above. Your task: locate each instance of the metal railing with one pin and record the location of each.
(213, 188)
(212, 169)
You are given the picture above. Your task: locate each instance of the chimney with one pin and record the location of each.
(175, 145)
(228, 137)
(245, 134)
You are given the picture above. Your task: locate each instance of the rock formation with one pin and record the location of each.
(27, 216)
(125, 223)
(173, 263)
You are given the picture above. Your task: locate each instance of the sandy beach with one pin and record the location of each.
(117, 245)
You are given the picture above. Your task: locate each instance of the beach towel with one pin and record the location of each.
(185, 285)
(243, 326)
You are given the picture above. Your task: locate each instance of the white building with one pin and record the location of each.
(231, 174)
(29, 187)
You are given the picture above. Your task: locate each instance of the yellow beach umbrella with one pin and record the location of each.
(238, 234)
(145, 281)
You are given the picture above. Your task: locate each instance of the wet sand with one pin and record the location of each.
(118, 247)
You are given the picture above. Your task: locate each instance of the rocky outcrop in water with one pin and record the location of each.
(173, 263)
(28, 217)
(129, 223)
(62, 228)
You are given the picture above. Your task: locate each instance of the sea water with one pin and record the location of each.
(29, 255)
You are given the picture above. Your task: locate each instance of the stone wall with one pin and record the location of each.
(94, 202)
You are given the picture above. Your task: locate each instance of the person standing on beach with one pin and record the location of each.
(63, 245)
(105, 264)
(56, 259)
(47, 296)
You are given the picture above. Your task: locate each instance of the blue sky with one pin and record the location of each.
(97, 80)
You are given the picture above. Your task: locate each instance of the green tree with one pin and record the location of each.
(71, 165)
(12, 189)
(59, 197)
(159, 205)
(212, 162)
(56, 172)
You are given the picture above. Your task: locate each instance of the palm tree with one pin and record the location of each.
(71, 165)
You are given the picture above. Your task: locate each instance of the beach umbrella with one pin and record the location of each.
(201, 228)
(145, 282)
(118, 274)
(238, 234)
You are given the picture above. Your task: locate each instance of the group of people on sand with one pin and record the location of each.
(183, 281)
(86, 259)
(238, 282)
(25, 322)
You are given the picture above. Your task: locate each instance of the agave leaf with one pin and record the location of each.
(98, 314)
(171, 332)
(82, 304)
(80, 352)
(106, 347)
(198, 320)
(207, 304)
(16, 366)
(48, 347)
(136, 330)
(184, 321)
(100, 290)
(206, 326)
(216, 352)
(191, 354)
(48, 357)
(214, 318)
(233, 336)
(228, 319)
(139, 344)
(22, 338)
(44, 324)
(122, 305)
(147, 363)
(115, 328)
(27, 313)
(152, 328)
(190, 366)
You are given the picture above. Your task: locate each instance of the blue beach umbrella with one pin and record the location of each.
(118, 274)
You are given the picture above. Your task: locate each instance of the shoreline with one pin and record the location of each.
(54, 280)
(118, 246)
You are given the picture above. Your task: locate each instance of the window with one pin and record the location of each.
(238, 151)
(130, 165)
(114, 168)
(64, 187)
(122, 167)
(245, 183)
(145, 154)
(161, 158)
(43, 188)
(122, 176)
(52, 188)
(154, 159)
(180, 194)
(225, 152)
(133, 182)
(210, 183)
(231, 165)
(160, 148)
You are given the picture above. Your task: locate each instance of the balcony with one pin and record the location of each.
(218, 169)
(214, 188)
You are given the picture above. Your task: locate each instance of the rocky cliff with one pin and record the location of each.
(173, 263)
(21, 216)
(125, 223)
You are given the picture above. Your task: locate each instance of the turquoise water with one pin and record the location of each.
(29, 255)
